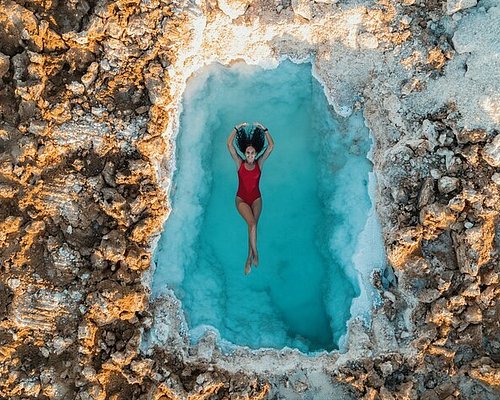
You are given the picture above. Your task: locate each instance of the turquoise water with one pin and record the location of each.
(315, 204)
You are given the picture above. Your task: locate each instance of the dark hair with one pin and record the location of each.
(254, 138)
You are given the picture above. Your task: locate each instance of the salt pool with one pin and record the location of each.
(315, 207)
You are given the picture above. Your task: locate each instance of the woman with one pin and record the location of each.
(248, 199)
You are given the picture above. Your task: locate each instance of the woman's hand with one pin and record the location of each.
(259, 125)
(240, 125)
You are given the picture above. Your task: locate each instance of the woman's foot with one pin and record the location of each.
(248, 266)
(255, 261)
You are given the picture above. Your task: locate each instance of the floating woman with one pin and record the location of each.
(248, 198)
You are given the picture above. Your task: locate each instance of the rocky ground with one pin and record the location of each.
(88, 111)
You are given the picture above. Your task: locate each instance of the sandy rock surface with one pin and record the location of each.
(89, 100)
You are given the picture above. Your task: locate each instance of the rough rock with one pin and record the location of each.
(436, 217)
(4, 64)
(89, 106)
(491, 152)
(448, 184)
(474, 246)
(367, 40)
(473, 314)
(302, 8)
(426, 195)
(471, 136)
(453, 6)
(233, 8)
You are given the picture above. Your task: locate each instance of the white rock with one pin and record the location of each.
(61, 344)
(14, 283)
(302, 8)
(452, 6)
(491, 152)
(429, 130)
(447, 184)
(300, 386)
(435, 173)
(233, 8)
(496, 178)
(405, 335)
(405, 19)
(105, 65)
(390, 296)
(386, 368)
(89, 373)
(98, 111)
(91, 74)
(367, 40)
(76, 87)
(45, 352)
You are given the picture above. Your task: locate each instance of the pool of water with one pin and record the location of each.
(315, 205)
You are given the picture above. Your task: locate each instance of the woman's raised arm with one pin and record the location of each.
(270, 147)
(232, 150)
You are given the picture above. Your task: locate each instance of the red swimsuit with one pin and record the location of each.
(248, 183)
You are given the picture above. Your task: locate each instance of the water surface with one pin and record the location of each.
(315, 204)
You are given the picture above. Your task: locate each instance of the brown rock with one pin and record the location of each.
(7, 226)
(489, 277)
(486, 373)
(154, 83)
(471, 136)
(429, 295)
(473, 247)
(145, 228)
(488, 295)
(406, 244)
(473, 314)
(151, 147)
(137, 258)
(457, 203)
(115, 304)
(426, 195)
(7, 191)
(457, 302)
(471, 154)
(439, 313)
(471, 335)
(435, 218)
(385, 394)
(470, 287)
(4, 64)
(113, 246)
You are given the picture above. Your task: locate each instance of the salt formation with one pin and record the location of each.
(89, 105)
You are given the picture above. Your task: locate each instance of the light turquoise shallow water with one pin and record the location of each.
(315, 203)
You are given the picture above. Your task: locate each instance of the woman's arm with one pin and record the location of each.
(270, 147)
(230, 146)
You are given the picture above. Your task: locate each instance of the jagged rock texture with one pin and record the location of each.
(83, 110)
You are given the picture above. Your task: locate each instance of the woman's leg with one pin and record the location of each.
(247, 214)
(256, 210)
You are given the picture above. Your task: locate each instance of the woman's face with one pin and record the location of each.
(250, 154)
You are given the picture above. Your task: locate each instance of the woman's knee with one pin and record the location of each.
(252, 224)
